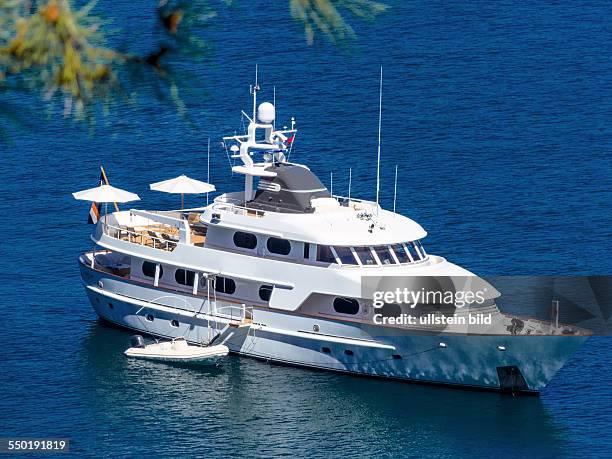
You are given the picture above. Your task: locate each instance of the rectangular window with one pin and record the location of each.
(421, 249)
(306, 250)
(416, 256)
(345, 255)
(325, 254)
(384, 255)
(365, 255)
(225, 285)
(400, 253)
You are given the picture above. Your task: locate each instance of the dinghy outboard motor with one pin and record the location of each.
(137, 341)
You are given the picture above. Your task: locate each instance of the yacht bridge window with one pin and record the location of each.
(385, 255)
(414, 251)
(401, 253)
(345, 254)
(325, 254)
(365, 255)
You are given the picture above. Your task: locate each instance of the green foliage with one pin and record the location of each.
(325, 16)
(56, 49)
(48, 46)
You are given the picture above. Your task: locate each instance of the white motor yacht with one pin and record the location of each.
(275, 272)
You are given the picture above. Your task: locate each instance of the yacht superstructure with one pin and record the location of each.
(275, 271)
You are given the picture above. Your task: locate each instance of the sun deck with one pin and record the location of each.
(157, 230)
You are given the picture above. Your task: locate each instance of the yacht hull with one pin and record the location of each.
(517, 364)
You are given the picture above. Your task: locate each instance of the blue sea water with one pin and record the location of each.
(498, 115)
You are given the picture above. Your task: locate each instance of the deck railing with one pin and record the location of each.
(236, 312)
(139, 237)
(236, 206)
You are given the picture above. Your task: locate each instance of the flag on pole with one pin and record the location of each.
(94, 210)
(290, 139)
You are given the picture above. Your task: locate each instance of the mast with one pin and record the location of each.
(379, 125)
(255, 89)
(395, 189)
(208, 168)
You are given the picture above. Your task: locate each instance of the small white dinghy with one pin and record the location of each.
(177, 350)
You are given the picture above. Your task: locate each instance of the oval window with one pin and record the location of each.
(245, 240)
(225, 285)
(279, 246)
(265, 291)
(184, 277)
(390, 310)
(148, 269)
(346, 306)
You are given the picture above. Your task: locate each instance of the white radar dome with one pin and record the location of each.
(266, 112)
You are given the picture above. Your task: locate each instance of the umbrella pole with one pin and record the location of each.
(106, 217)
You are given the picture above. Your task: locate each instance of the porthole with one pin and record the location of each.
(111, 306)
(348, 352)
(390, 310)
(326, 350)
(148, 269)
(265, 291)
(316, 328)
(396, 357)
(149, 317)
(279, 246)
(346, 305)
(174, 323)
(98, 300)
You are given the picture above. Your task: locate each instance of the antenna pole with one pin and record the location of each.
(379, 125)
(350, 179)
(331, 180)
(208, 168)
(255, 89)
(274, 103)
(395, 189)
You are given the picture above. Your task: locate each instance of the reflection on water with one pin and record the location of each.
(276, 409)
